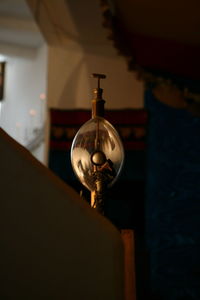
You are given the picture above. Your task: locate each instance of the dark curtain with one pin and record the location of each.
(173, 202)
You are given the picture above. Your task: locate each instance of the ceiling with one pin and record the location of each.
(176, 20)
(162, 35)
(173, 19)
(17, 26)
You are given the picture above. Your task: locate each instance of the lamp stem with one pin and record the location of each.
(98, 102)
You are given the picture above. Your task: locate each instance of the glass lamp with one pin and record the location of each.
(97, 152)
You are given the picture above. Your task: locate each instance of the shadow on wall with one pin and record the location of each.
(70, 88)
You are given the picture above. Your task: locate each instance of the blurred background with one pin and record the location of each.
(149, 51)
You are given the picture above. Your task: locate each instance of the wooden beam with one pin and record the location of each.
(129, 262)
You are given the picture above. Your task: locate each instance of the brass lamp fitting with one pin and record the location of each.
(97, 101)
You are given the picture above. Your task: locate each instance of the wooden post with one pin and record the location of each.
(129, 262)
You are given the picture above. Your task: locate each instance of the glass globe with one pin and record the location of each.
(97, 148)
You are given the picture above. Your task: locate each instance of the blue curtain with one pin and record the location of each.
(173, 202)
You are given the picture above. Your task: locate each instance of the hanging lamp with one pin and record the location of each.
(97, 152)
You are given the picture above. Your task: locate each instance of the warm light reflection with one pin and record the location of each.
(18, 124)
(96, 135)
(42, 96)
(83, 164)
(32, 112)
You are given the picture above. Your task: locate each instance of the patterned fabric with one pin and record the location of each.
(130, 124)
(173, 202)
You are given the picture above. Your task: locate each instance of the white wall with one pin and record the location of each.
(85, 50)
(70, 85)
(25, 80)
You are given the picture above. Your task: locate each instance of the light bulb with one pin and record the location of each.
(97, 153)
(97, 148)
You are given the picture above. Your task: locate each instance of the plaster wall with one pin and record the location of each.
(70, 84)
